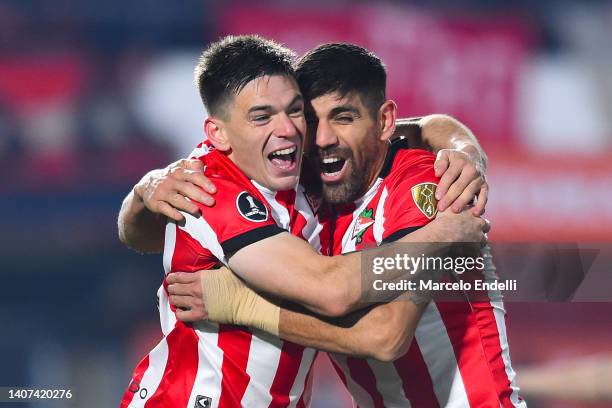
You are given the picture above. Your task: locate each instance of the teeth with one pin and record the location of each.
(284, 151)
(328, 160)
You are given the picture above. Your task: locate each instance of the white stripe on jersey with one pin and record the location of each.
(313, 227)
(169, 243)
(500, 320)
(298, 383)
(210, 357)
(389, 384)
(264, 350)
(279, 211)
(358, 394)
(199, 151)
(153, 374)
(202, 232)
(167, 318)
(348, 243)
(379, 222)
(439, 356)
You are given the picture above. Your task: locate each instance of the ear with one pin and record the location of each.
(388, 115)
(216, 134)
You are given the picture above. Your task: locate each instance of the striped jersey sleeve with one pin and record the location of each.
(411, 201)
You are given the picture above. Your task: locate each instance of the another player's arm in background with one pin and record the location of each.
(461, 162)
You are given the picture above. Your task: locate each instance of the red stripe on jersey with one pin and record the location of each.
(466, 340)
(485, 318)
(363, 375)
(180, 371)
(134, 386)
(236, 344)
(417, 383)
(189, 255)
(288, 367)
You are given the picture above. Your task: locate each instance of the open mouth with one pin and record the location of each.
(332, 167)
(283, 158)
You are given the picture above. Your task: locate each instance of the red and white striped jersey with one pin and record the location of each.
(216, 365)
(459, 356)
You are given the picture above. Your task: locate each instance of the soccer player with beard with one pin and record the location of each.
(210, 239)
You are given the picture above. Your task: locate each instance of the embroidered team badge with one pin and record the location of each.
(251, 208)
(424, 197)
(363, 222)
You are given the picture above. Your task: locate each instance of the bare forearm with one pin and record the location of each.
(138, 227)
(311, 331)
(383, 332)
(437, 132)
(445, 132)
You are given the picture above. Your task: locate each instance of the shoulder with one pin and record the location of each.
(411, 166)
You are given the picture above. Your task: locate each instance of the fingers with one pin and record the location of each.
(191, 164)
(189, 190)
(483, 197)
(170, 212)
(453, 182)
(185, 289)
(182, 204)
(189, 316)
(466, 194)
(192, 170)
(441, 163)
(182, 302)
(182, 277)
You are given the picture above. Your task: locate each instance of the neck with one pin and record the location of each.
(377, 167)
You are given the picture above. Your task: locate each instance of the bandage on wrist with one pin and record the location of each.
(228, 300)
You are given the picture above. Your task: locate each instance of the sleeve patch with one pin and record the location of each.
(251, 208)
(424, 197)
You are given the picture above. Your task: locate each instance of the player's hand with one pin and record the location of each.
(166, 191)
(462, 178)
(185, 293)
(461, 227)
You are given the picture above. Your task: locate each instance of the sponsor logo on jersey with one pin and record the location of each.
(363, 222)
(251, 208)
(424, 197)
(202, 401)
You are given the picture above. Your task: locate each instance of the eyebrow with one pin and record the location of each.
(297, 98)
(344, 108)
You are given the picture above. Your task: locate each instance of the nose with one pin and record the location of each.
(325, 136)
(285, 126)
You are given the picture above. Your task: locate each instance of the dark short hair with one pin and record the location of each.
(343, 68)
(228, 65)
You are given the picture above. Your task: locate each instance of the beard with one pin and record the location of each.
(350, 187)
(346, 191)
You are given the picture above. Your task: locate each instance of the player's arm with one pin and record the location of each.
(159, 194)
(291, 269)
(461, 162)
(383, 332)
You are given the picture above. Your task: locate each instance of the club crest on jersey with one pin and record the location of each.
(363, 222)
(202, 401)
(251, 208)
(424, 196)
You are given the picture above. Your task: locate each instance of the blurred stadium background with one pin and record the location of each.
(95, 93)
